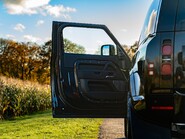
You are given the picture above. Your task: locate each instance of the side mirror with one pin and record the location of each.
(108, 50)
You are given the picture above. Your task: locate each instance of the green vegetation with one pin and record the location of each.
(43, 126)
(70, 47)
(130, 50)
(19, 98)
(26, 61)
(30, 61)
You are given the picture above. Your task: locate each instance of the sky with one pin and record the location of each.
(31, 20)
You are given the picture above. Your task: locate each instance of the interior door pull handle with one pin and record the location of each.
(109, 76)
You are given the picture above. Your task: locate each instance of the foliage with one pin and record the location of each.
(21, 60)
(29, 61)
(43, 72)
(130, 50)
(70, 47)
(19, 98)
(42, 125)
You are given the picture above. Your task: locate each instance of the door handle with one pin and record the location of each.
(109, 76)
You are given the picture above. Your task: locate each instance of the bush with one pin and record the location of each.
(19, 98)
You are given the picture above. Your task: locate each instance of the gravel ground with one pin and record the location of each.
(112, 129)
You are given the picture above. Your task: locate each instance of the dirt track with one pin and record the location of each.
(112, 129)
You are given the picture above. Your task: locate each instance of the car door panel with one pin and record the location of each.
(86, 85)
(103, 77)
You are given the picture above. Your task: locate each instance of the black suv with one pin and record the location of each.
(148, 91)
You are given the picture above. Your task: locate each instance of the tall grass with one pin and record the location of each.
(22, 97)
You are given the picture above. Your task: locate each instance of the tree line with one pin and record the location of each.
(26, 61)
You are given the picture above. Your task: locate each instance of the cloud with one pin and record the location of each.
(30, 38)
(40, 22)
(19, 27)
(59, 10)
(99, 43)
(47, 39)
(42, 7)
(24, 6)
(124, 30)
(11, 37)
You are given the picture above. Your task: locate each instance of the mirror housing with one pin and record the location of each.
(108, 50)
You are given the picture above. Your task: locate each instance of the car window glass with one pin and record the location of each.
(180, 24)
(167, 16)
(150, 20)
(78, 40)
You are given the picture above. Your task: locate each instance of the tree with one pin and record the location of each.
(18, 60)
(29, 61)
(70, 47)
(43, 72)
(130, 50)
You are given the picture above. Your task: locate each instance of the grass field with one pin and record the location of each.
(43, 126)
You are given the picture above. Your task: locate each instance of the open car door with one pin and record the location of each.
(89, 72)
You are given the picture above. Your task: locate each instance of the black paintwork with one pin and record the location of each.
(159, 89)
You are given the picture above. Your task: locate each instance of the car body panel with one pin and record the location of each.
(86, 85)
